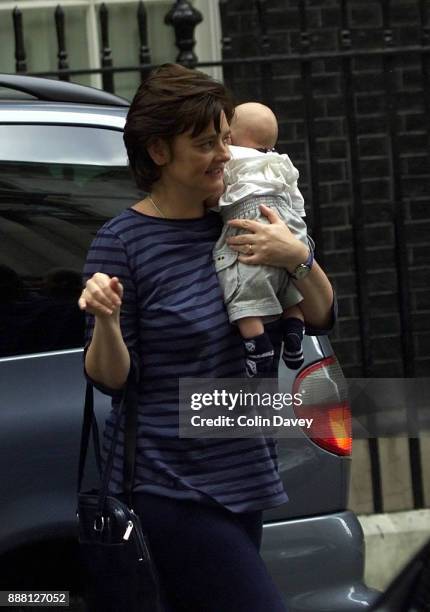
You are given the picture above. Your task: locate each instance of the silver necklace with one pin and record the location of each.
(156, 207)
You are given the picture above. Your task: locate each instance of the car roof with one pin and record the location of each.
(54, 90)
(37, 100)
(62, 114)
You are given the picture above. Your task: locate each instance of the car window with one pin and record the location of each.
(62, 144)
(50, 211)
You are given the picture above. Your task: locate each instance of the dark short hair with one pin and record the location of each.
(172, 100)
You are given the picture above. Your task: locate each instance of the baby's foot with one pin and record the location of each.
(259, 355)
(293, 331)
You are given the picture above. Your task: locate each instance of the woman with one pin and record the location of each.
(157, 306)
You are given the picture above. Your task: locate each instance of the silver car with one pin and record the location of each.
(63, 173)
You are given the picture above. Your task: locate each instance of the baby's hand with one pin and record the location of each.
(102, 295)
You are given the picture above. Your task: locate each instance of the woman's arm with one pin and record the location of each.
(107, 360)
(317, 292)
(112, 330)
(274, 244)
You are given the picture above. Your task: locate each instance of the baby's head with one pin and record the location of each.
(254, 125)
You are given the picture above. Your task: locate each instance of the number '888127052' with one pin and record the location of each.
(34, 598)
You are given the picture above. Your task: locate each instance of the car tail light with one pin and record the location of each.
(323, 391)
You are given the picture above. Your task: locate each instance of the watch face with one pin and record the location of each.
(301, 271)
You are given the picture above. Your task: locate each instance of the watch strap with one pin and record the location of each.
(309, 261)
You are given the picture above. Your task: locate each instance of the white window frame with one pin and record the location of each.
(207, 33)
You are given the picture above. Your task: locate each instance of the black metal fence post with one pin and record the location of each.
(357, 216)
(396, 196)
(61, 40)
(144, 54)
(265, 67)
(226, 46)
(401, 251)
(425, 60)
(311, 139)
(184, 18)
(358, 234)
(18, 27)
(108, 81)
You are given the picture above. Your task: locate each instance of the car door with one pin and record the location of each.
(58, 185)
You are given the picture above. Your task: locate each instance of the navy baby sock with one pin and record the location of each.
(259, 355)
(293, 332)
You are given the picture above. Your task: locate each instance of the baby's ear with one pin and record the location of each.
(159, 151)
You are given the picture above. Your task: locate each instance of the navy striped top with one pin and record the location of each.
(175, 324)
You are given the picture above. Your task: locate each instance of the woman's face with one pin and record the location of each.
(196, 164)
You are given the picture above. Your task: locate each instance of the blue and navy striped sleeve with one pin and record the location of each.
(108, 254)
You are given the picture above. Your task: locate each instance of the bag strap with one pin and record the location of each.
(128, 406)
(89, 423)
(130, 439)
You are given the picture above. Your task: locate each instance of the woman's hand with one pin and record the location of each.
(102, 295)
(272, 244)
(275, 245)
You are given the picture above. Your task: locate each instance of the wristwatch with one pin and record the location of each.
(303, 269)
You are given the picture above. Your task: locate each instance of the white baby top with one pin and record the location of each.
(250, 172)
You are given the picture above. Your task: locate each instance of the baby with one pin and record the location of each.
(257, 294)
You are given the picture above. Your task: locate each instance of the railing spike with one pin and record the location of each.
(108, 84)
(144, 53)
(63, 64)
(20, 55)
(226, 46)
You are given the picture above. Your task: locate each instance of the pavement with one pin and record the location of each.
(391, 540)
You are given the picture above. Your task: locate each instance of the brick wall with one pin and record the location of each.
(286, 96)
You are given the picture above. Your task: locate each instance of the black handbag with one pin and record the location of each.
(115, 554)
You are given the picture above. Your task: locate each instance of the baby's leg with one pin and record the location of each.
(293, 329)
(250, 326)
(258, 348)
(293, 311)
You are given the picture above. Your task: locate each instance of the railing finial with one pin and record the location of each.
(184, 18)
